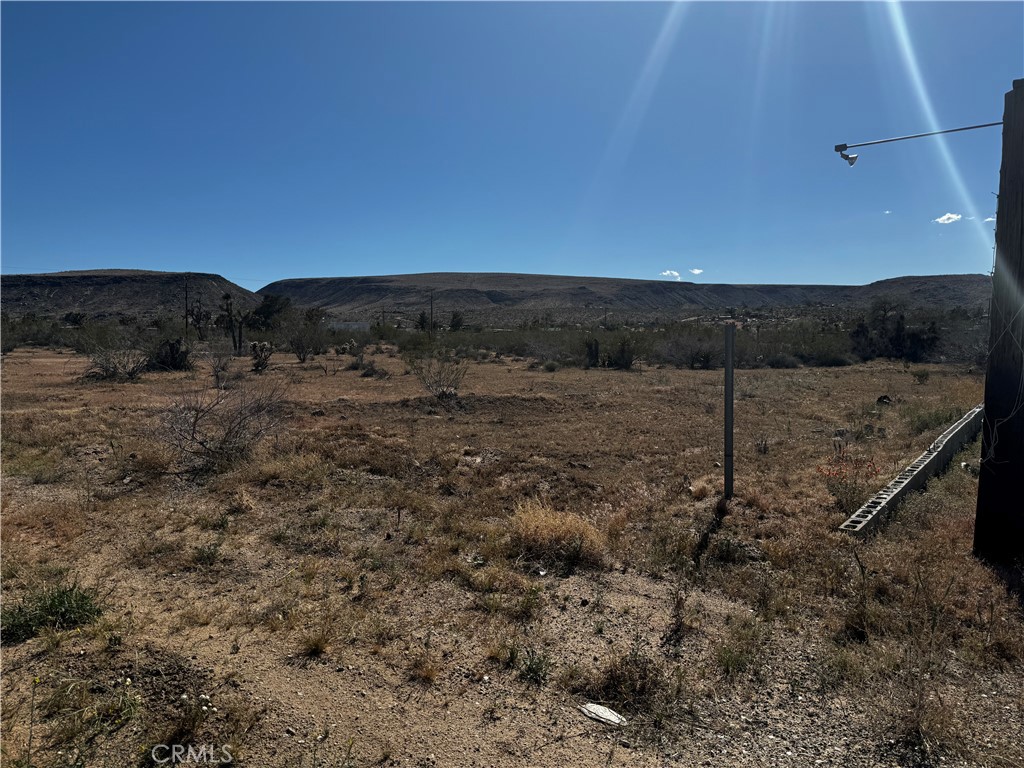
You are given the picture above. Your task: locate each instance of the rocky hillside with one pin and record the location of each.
(116, 292)
(487, 298)
(507, 297)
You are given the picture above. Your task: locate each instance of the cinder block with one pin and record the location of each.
(930, 463)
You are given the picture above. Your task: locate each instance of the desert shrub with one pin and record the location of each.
(30, 330)
(368, 369)
(739, 650)
(593, 354)
(207, 555)
(536, 667)
(849, 479)
(308, 335)
(116, 364)
(372, 371)
(214, 429)
(541, 533)
(440, 374)
(63, 606)
(219, 360)
(423, 668)
(782, 360)
(96, 336)
(80, 710)
(170, 355)
(690, 349)
(921, 421)
(632, 680)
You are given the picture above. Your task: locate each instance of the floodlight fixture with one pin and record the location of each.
(851, 159)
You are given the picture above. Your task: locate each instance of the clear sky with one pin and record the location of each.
(271, 140)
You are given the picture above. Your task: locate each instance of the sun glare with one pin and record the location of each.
(906, 46)
(623, 136)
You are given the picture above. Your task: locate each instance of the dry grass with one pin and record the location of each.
(537, 532)
(535, 544)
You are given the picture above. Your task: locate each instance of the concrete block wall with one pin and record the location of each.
(930, 463)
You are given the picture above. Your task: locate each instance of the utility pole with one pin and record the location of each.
(730, 345)
(431, 314)
(999, 520)
(186, 306)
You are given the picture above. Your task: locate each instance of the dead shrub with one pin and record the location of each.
(315, 643)
(441, 375)
(116, 364)
(544, 534)
(211, 430)
(423, 668)
(700, 490)
(632, 680)
(219, 359)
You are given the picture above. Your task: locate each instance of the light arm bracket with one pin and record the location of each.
(841, 148)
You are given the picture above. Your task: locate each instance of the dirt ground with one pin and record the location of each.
(384, 579)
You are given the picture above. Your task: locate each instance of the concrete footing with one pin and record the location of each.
(930, 463)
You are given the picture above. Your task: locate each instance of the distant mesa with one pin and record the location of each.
(107, 293)
(511, 297)
(488, 298)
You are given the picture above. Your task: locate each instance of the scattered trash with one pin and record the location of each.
(602, 714)
(884, 400)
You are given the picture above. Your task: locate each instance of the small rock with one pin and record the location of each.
(289, 731)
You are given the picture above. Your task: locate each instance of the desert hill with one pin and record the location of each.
(113, 292)
(507, 297)
(487, 298)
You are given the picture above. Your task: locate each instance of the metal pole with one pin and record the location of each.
(844, 147)
(186, 307)
(730, 343)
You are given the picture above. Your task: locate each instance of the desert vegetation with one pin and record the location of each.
(436, 563)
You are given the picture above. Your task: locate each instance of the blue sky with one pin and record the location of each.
(271, 140)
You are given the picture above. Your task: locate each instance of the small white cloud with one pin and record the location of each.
(696, 271)
(948, 218)
(670, 273)
(991, 218)
(970, 218)
(887, 213)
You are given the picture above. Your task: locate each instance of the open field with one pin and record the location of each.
(384, 579)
